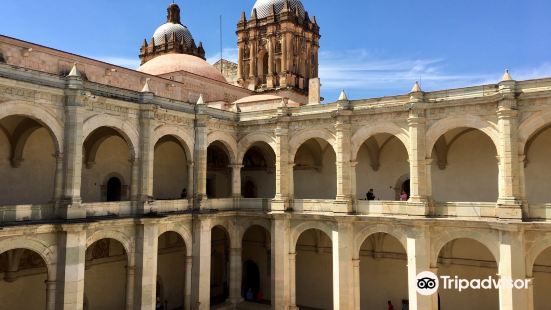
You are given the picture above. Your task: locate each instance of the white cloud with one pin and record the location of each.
(228, 54)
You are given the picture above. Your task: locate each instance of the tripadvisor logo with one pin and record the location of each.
(428, 283)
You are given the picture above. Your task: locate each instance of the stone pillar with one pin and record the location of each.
(58, 182)
(190, 174)
(522, 177)
(343, 267)
(280, 202)
(281, 281)
(50, 294)
(418, 260)
(235, 275)
(240, 51)
(419, 195)
(353, 180)
(187, 286)
(200, 279)
(236, 180)
(356, 272)
(512, 266)
(147, 238)
(72, 167)
(509, 200)
(71, 260)
(135, 178)
(344, 188)
(200, 149)
(271, 60)
(147, 152)
(292, 280)
(130, 278)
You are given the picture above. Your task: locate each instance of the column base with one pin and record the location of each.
(280, 204)
(70, 208)
(343, 205)
(509, 209)
(417, 206)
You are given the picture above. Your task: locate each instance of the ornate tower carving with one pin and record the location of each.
(171, 37)
(278, 47)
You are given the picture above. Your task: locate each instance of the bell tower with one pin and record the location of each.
(278, 48)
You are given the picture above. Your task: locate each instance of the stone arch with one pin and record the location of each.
(302, 136)
(361, 135)
(42, 116)
(296, 231)
(531, 126)
(246, 142)
(47, 253)
(117, 236)
(489, 239)
(249, 223)
(470, 121)
(186, 140)
(532, 253)
(227, 140)
(363, 234)
(179, 229)
(124, 128)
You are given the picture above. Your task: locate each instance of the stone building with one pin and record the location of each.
(124, 189)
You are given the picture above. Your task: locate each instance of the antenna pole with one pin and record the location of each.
(221, 63)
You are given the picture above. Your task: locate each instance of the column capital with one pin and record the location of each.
(235, 166)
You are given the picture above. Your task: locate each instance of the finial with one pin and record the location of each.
(273, 10)
(243, 17)
(254, 15)
(74, 71)
(416, 88)
(507, 76)
(146, 88)
(314, 20)
(342, 96)
(200, 101)
(173, 14)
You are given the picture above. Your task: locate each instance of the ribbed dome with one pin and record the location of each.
(168, 29)
(169, 63)
(264, 7)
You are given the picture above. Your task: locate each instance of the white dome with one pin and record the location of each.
(264, 7)
(168, 29)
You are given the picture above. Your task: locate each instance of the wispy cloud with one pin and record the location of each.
(368, 74)
(228, 54)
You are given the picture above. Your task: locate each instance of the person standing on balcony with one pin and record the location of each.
(370, 195)
(404, 196)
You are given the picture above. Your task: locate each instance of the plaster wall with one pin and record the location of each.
(170, 171)
(538, 169)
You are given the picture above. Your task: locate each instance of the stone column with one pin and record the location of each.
(292, 280)
(343, 267)
(281, 281)
(190, 173)
(236, 180)
(187, 286)
(509, 169)
(130, 278)
(344, 188)
(418, 260)
(522, 178)
(200, 279)
(147, 238)
(135, 178)
(417, 164)
(58, 182)
(147, 151)
(50, 294)
(73, 142)
(353, 180)
(239, 60)
(71, 260)
(356, 272)
(235, 275)
(512, 266)
(200, 149)
(281, 199)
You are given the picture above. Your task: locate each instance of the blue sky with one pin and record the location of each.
(370, 48)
